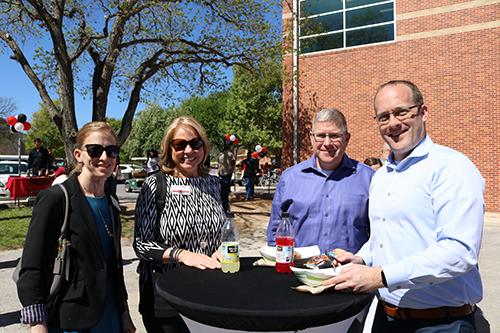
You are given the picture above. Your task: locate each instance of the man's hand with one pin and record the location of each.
(344, 257)
(198, 260)
(357, 279)
(217, 255)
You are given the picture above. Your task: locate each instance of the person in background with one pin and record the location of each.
(153, 162)
(95, 298)
(187, 229)
(329, 191)
(386, 151)
(51, 163)
(250, 168)
(426, 212)
(38, 159)
(373, 162)
(226, 163)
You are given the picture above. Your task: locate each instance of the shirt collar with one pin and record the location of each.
(310, 165)
(422, 149)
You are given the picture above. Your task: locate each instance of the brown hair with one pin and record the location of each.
(166, 161)
(86, 130)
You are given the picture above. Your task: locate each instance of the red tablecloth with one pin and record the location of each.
(22, 187)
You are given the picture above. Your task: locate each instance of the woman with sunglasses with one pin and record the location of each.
(94, 299)
(187, 229)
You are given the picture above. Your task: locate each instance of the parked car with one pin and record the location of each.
(126, 171)
(7, 169)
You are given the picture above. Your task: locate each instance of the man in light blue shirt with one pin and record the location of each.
(426, 212)
(329, 191)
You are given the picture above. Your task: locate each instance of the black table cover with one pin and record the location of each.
(254, 299)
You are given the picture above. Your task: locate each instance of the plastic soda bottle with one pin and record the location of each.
(230, 261)
(284, 245)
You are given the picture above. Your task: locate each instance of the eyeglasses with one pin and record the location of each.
(96, 150)
(321, 137)
(401, 113)
(181, 144)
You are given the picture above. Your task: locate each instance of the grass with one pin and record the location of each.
(14, 223)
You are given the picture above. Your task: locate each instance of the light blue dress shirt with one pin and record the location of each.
(426, 217)
(328, 210)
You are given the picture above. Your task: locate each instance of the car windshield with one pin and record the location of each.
(11, 169)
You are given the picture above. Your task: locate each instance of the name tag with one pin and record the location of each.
(180, 189)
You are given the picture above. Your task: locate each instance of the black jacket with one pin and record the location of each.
(83, 299)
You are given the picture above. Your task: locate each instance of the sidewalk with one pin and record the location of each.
(252, 218)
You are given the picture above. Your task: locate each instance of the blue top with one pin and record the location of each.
(111, 318)
(426, 217)
(330, 211)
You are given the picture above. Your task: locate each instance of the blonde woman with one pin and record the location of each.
(187, 229)
(94, 299)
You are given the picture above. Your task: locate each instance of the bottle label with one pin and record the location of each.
(230, 252)
(284, 254)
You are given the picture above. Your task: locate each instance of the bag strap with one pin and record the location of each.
(65, 225)
(161, 193)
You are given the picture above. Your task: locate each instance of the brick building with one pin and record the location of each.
(449, 48)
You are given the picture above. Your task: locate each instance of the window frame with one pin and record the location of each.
(344, 30)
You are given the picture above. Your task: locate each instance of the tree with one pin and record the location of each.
(44, 128)
(8, 140)
(148, 130)
(210, 111)
(131, 46)
(254, 106)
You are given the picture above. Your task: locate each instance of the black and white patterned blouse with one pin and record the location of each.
(192, 218)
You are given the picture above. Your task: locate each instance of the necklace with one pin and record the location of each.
(108, 232)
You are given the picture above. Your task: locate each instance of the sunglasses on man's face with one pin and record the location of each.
(180, 144)
(96, 150)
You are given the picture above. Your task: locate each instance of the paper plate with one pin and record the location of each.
(269, 252)
(314, 277)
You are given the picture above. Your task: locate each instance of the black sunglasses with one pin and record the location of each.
(180, 144)
(96, 150)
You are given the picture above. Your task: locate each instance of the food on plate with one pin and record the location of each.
(321, 261)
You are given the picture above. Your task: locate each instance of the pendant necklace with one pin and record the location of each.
(108, 232)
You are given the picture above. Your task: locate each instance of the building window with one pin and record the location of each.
(335, 24)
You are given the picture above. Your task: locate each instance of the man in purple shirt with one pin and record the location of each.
(329, 191)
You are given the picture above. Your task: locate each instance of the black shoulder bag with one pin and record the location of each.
(62, 262)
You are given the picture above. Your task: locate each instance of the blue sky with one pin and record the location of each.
(15, 84)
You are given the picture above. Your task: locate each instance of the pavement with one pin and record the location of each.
(252, 218)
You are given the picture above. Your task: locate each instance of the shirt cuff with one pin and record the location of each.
(36, 313)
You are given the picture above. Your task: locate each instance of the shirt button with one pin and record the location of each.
(327, 195)
(325, 234)
(383, 219)
(381, 246)
(388, 194)
(326, 214)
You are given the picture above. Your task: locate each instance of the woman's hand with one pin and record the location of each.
(198, 260)
(217, 255)
(39, 328)
(128, 325)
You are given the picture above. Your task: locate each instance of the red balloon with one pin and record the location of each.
(264, 150)
(27, 126)
(255, 155)
(11, 120)
(235, 141)
(228, 137)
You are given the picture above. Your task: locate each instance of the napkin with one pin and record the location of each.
(263, 262)
(313, 290)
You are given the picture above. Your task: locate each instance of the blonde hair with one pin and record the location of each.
(166, 162)
(86, 130)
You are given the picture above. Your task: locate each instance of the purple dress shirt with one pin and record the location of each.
(328, 211)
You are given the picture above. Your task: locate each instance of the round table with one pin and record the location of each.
(254, 299)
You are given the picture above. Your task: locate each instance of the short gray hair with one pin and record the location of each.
(330, 115)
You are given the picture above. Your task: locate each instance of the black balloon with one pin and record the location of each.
(13, 130)
(21, 118)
